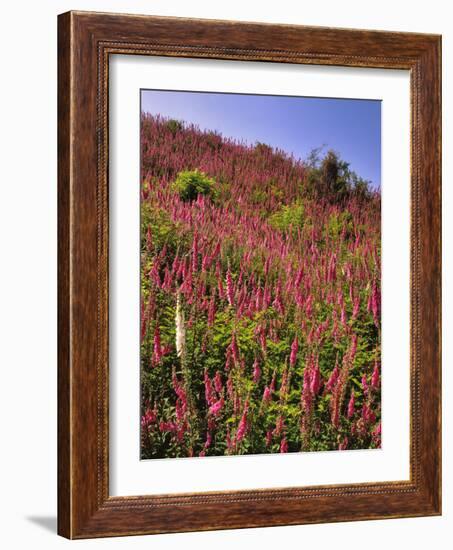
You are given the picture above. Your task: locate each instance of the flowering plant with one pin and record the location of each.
(260, 299)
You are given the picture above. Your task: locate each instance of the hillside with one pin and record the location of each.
(260, 298)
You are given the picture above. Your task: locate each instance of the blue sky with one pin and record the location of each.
(351, 127)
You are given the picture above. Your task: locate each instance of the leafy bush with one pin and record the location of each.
(263, 148)
(191, 183)
(331, 178)
(157, 225)
(214, 140)
(287, 217)
(174, 125)
(340, 222)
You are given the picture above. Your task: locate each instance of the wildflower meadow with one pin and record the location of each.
(260, 298)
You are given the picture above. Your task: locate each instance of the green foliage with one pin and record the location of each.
(214, 140)
(157, 221)
(361, 187)
(331, 178)
(258, 196)
(339, 222)
(191, 183)
(314, 158)
(291, 216)
(262, 148)
(276, 192)
(174, 125)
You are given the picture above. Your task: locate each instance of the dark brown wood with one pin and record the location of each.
(85, 42)
(64, 370)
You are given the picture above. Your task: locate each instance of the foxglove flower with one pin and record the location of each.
(216, 407)
(351, 406)
(284, 445)
(256, 371)
(375, 377)
(230, 288)
(157, 348)
(333, 378)
(294, 350)
(242, 428)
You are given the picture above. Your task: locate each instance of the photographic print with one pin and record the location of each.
(225, 359)
(260, 274)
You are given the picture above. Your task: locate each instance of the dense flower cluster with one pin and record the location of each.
(260, 309)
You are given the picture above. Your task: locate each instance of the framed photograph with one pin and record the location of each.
(249, 275)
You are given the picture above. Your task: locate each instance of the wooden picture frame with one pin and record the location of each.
(85, 42)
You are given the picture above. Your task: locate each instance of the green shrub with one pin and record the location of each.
(174, 125)
(258, 196)
(191, 183)
(331, 178)
(287, 217)
(163, 230)
(263, 148)
(339, 221)
(214, 140)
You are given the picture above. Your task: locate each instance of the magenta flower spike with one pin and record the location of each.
(365, 386)
(284, 445)
(216, 407)
(351, 406)
(267, 395)
(242, 428)
(157, 348)
(315, 383)
(294, 350)
(375, 379)
(230, 288)
(333, 378)
(256, 371)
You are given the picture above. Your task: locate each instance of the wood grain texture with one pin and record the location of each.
(64, 368)
(85, 42)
